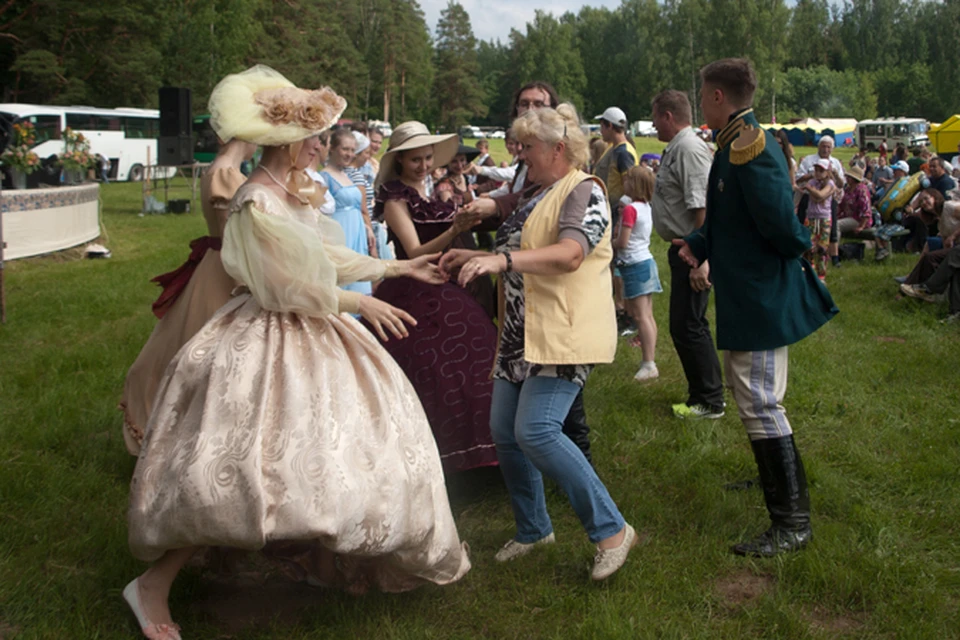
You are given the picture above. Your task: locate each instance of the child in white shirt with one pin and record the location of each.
(636, 264)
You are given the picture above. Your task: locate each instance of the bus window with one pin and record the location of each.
(134, 127)
(83, 121)
(46, 127)
(141, 128)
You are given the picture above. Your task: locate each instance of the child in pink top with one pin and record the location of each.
(821, 190)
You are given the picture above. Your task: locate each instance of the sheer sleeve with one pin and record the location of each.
(290, 265)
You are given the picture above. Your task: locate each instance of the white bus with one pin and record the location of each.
(912, 132)
(127, 137)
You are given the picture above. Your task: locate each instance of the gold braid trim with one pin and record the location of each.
(748, 145)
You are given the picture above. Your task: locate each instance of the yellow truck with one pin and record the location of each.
(945, 138)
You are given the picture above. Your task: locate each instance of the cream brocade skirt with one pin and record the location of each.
(273, 427)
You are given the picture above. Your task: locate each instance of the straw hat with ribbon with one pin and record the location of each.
(414, 135)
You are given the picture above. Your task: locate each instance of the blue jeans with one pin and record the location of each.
(526, 422)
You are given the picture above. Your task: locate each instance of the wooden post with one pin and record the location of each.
(145, 185)
(195, 170)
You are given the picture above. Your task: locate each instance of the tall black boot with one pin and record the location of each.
(784, 484)
(575, 426)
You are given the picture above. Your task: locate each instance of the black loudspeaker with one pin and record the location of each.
(176, 112)
(175, 150)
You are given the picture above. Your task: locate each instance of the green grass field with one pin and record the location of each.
(872, 397)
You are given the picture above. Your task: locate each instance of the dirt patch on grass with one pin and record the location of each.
(249, 601)
(743, 587)
(8, 632)
(835, 624)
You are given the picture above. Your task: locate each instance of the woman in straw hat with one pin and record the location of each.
(855, 213)
(450, 351)
(557, 322)
(283, 424)
(191, 294)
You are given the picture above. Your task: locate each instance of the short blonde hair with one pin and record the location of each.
(638, 183)
(553, 126)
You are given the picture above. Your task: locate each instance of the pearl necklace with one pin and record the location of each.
(283, 186)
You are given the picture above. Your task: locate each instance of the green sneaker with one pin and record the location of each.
(704, 411)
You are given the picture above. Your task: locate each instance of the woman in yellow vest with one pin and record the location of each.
(557, 321)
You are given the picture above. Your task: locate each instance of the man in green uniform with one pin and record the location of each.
(767, 295)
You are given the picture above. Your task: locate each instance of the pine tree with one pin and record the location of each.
(208, 39)
(549, 53)
(308, 42)
(458, 92)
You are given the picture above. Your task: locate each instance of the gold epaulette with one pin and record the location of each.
(749, 144)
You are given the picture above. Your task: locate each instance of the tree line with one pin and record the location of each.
(861, 59)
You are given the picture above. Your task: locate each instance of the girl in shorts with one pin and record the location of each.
(641, 278)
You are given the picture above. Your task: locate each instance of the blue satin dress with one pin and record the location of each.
(349, 199)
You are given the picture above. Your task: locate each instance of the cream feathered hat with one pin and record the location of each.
(260, 106)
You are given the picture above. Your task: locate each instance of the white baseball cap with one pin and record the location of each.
(614, 115)
(823, 163)
(902, 166)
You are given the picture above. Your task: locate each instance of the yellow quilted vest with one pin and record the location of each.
(570, 318)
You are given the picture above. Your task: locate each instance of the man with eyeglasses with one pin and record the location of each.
(533, 95)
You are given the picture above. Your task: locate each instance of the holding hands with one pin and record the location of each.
(456, 258)
(472, 264)
(465, 219)
(483, 207)
(481, 265)
(422, 268)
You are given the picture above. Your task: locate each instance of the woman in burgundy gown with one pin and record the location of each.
(449, 354)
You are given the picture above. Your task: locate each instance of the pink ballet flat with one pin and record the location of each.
(131, 593)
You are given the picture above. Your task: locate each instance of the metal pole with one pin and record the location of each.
(3, 293)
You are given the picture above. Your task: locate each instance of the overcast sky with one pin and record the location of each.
(492, 19)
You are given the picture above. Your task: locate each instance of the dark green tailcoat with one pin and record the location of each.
(767, 294)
